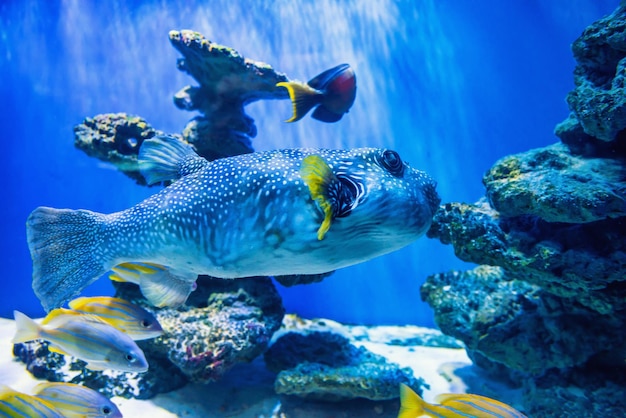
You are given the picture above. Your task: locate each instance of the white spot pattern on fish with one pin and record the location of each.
(247, 215)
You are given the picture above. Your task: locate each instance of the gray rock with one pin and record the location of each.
(515, 324)
(586, 262)
(599, 99)
(326, 366)
(557, 186)
(223, 323)
(115, 138)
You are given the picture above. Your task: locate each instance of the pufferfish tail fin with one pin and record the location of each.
(64, 248)
(303, 98)
(163, 158)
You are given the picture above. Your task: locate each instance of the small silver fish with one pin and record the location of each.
(76, 401)
(85, 337)
(273, 213)
(129, 318)
(14, 404)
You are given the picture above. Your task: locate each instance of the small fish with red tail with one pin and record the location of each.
(333, 92)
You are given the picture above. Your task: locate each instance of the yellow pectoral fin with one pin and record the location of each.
(318, 175)
(328, 213)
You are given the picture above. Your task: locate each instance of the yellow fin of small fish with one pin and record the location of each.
(81, 302)
(57, 314)
(303, 98)
(317, 175)
(116, 278)
(411, 404)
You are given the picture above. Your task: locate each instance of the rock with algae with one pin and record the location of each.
(161, 377)
(326, 366)
(598, 102)
(115, 138)
(546, 309)
(227, 82)
(223, 323)
(554, 185)
(505, 320)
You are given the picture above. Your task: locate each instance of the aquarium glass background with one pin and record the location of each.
(451, 85)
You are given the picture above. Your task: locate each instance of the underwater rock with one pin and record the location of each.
(586, 262)
(296, 279)
(115, 138)
(326, 366)
(223, 323)
(598, 101)
(161, 377)
(590, 392)
(556, 186)
(516, 324)
(228, 82)
(40, 361)
(545, 308)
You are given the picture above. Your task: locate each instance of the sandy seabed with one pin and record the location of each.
(247, 390)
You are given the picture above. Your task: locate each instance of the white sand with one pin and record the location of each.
(247, 390)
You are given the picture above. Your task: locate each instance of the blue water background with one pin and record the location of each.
(451, 85)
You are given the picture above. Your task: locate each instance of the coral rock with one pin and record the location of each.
(115, 138)
(327, 366)
(513, 323)
(161, 377)
(599, 100)
(556, 186)
(223, 323)
(582, 261)
(228, 82)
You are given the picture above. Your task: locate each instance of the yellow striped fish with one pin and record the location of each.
(129, 318)
(85, 337)
(14, 404)
(453, 405)
(76, 401)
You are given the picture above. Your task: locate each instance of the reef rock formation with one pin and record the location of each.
(321, 360)
(546, 306)
(223, 323)
(227, 81)
(326, 366)
(115, 138)
(598, 101)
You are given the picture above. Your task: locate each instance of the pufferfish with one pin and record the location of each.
(272, 213)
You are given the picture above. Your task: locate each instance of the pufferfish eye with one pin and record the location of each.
(392, 162)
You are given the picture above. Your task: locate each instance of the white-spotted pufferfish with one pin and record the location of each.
(282, 212)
